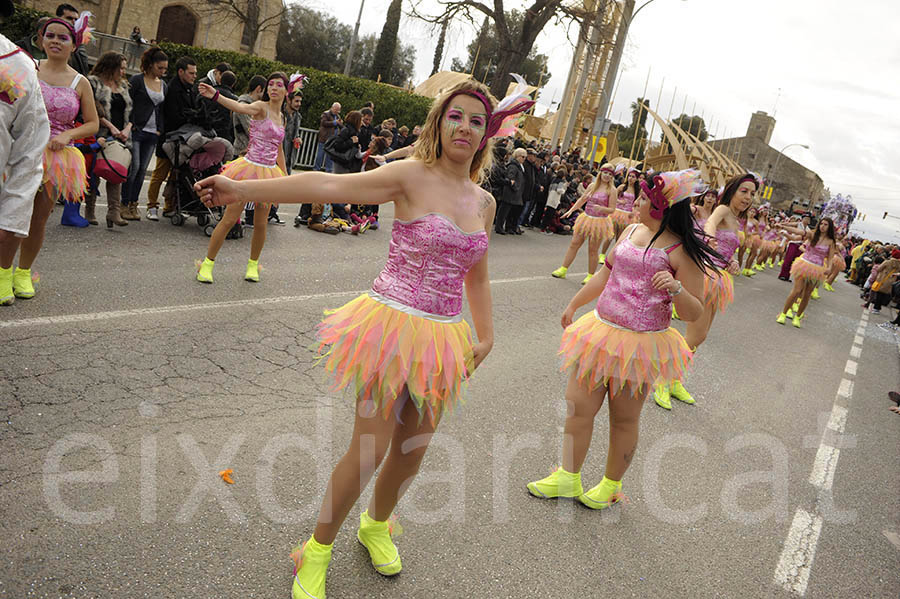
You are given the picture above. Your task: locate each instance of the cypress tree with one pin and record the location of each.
(439, 51)
(387, 44)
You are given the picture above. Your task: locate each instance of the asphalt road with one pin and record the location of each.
(128, 386)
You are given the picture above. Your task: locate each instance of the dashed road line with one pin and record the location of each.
(792, 572)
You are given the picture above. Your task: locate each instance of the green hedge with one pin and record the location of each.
(320, 92)
(21, 24)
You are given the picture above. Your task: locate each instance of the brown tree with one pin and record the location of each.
(248, 13)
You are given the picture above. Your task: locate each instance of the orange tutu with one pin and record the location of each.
(594, 228)
(242, 169)
(66, 173)
(622, 218)
(381, 350)
(606, 354)
(807, 271)
(718, 290)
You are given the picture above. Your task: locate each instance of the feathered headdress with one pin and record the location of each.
(81, 31)
(671, 188)
(297, 80)
(501, 121)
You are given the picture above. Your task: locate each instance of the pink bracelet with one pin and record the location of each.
(216, 97)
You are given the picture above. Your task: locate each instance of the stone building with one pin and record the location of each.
(196, 23)
(791, 181)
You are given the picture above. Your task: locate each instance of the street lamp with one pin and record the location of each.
(778, 159)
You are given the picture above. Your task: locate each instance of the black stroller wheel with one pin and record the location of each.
(208, 230)
(202, 219)
(177, 219)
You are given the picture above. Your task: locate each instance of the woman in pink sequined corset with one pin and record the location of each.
(721, 228)
(403, 346)
(66, 93)
(627, 193)
(594, 224)
(809, 270)
(264, 160)
(625, 346)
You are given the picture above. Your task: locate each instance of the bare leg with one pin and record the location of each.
(606, 245)
(31, 245)
(795, 293)
(577, 240)
(804, 299)
(624, 427)
(593, 256)
(582, 408)
(229, 218)
(408, 446)
(9, 245)
(368, 446)
(260, 222)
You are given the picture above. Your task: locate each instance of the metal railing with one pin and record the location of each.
(307, 154)
(104, 42)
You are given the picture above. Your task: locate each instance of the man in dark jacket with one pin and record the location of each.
(366, 130)
(542, 180)
(329, 124)
(531, 186)
(219, 116)
(511, 200)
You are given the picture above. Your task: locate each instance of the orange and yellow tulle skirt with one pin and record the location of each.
(381, 352)
(742, 237)
(718, 289)
(602, 353)
(622, 218)
(594, 228)
(807, 271)
(66, 173)
(241, 169)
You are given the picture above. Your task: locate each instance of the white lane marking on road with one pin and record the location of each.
(855, 351)
(893, 537)
(792, 571)
(858, 339)
(822, 475)
(864, 316)
(846, 388)
(93, 316)
(850, 368)
(861, 330)
(838, 419)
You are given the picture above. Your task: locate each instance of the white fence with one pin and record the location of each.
(307, 154)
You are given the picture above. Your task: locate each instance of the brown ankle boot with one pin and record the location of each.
(113, 216)
(128, 211)
(90, 202)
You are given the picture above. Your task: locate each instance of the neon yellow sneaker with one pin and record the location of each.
(678, 391)
(789, 313)
(675, 313)
(796, 321)
(310, 567)
(796, 305)
(560, 483)
(781, 262)
(601, 258)
(204, 275)
(815, 293)
(376, 538)
(607, 493)
(252, 274)
(587, 278)
(22, 286)
(748, 272)
(781, 318)
(828, 287)
(7, 297)
(759, 267)
(560, 273)
(662, 395)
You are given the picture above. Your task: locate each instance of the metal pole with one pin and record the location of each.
(637, 122)
(561, 112)
(618, 49)
(353, 39)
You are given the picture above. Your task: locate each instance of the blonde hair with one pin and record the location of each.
(428, 146)
(520, 152)
(597, 182)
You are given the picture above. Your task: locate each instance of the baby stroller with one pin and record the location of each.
(196, 154)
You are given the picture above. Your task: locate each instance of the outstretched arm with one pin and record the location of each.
(379, 186)
(577, 205)
(253, 109)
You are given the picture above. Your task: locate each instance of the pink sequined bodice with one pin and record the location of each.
(595, 201)
(62, 107)
(427, 262)
(629, 299)
(728, 243)
(816, 254)
(265, 139)
(770, 235)
(625, 201)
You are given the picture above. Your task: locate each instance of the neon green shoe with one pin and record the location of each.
(587, 278)
(796, 305)
(759, 267)
(789, 313)
(781, 263)
(7, 297)
(828, 287)
(601, 258)
(796, 321)
(675, 313)
(607, 493)
(559, 484)
(310, 568)
(678, 391)
(662, 397)
(748, 272)
(204, 275)
(781, 318)
(252, 274)
(815, 293)
(560, 273)
(376, 538)
(23, 288)
(769, 263)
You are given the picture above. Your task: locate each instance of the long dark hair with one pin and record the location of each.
(108, 64)
(680, 221)
(829, 233)
(275, 75)
(151, 56)
(731, 188)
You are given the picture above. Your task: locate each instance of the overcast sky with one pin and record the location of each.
(837, 65)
